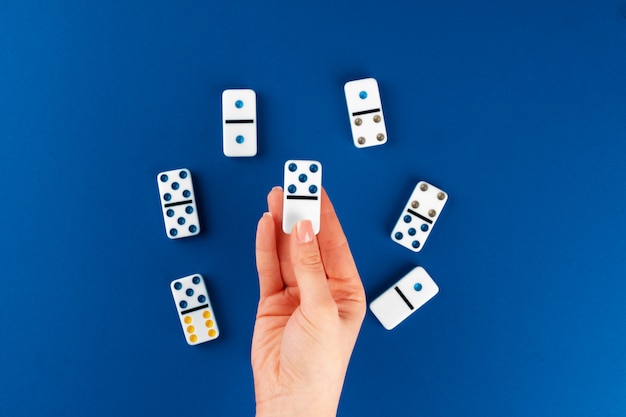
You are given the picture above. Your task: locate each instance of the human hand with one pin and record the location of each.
(311, 307)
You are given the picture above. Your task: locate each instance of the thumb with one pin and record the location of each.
(307, 267)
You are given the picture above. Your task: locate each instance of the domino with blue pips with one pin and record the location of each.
(302, 193)
(419, 216)
(178, 203)
(239, 122)
(404, 298)
(194, 309)
(366, 113)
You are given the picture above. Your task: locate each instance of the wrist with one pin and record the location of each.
(297, 407)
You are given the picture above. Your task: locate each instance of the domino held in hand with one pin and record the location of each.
(366, 113)
(194, 309)
(178, 203)
(404, 297)
(239, 122)
(302, 193)
(419, 216)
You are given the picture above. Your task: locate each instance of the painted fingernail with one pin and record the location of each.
(304, 231)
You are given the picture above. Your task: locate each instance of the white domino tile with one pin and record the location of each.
(365, 110)
(178, 203)
(404, 298)
(194, 309)
(239, 122)
(302, 193)
(419, 216)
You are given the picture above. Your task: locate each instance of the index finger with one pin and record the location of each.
(333, 244)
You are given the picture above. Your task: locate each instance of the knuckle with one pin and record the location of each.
(311, 261)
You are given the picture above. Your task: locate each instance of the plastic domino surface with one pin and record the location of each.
(178, 203)
(419, 216)
(239, 122)
(366, 113)
(404, 297)
(302, 193)
(194, 309)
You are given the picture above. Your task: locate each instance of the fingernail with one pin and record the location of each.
(277, 187)
(304, 231)
(268, 214)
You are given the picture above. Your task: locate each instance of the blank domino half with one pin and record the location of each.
(419, 216)
(239, 122)
(302, 193)
(366, 113)
(404, 297)
(178, 203)
(194, 309)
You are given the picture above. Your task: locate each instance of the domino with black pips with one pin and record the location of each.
(366, 113)
(239, 122)
(302, 193)
(178, 203)
(419, 216)
(404, 298)
(194, 309)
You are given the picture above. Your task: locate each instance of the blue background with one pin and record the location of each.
(516, 109)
